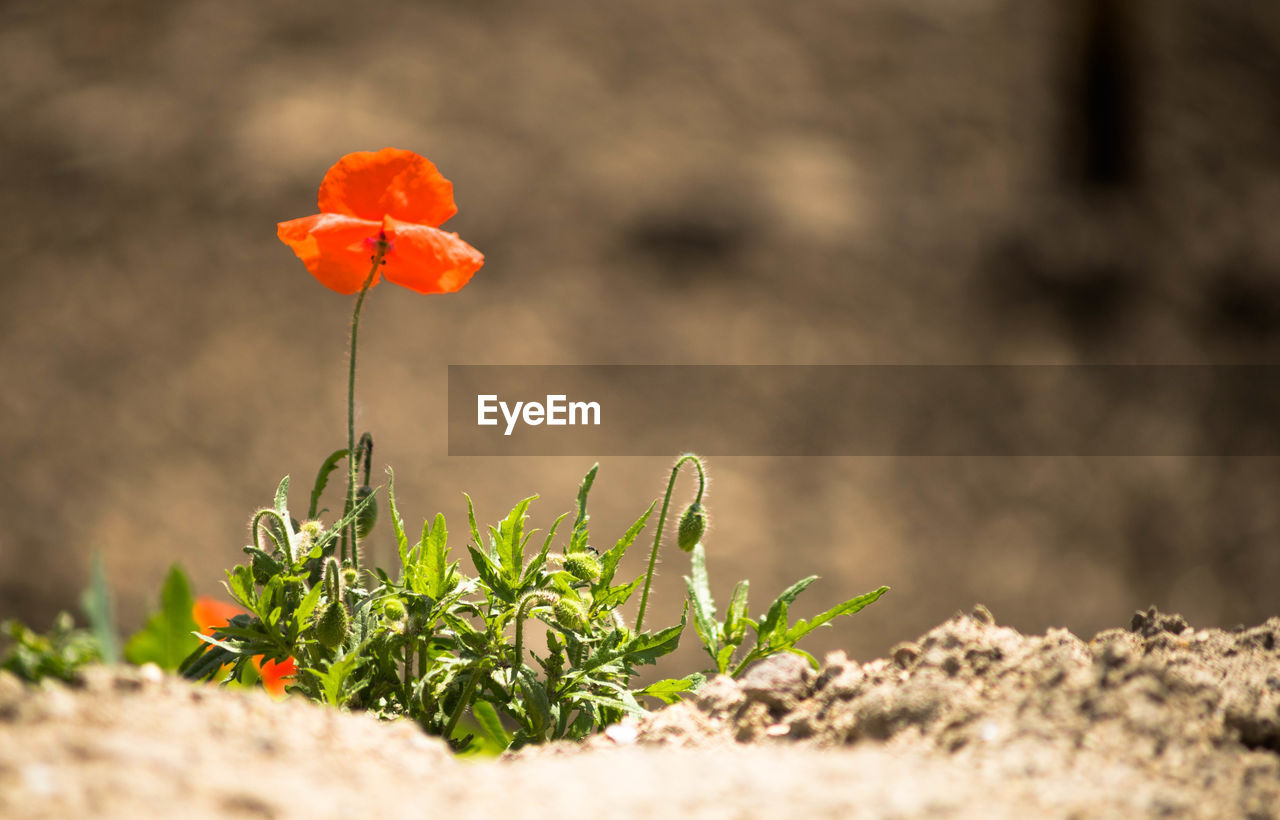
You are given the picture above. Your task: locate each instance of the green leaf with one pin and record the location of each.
(97, 605)
(803, 627)
(776, 616)
(471, 519)
(609, 562)
(282, 502)
(490, 575)
(614, 597)
(490, 725)
(509, 540)
(433, 552)
(735, 620)
(704, 609)
(333, 680)
(308, 605)
(668, 691)
(397, 524)
(648, 647)
(240, 585)
(167, 638)
(540, 559)
(322, 479)
(724, 657)
(580, 521)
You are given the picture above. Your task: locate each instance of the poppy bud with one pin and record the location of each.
(331, 627)
(570, 614)
(693, 523)
(584, 566)
(349, 577)
(393, 609)
(369, 515)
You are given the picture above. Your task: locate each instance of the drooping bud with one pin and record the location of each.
(584, 566)
(369, 515)
(570, 614)
(693, 524)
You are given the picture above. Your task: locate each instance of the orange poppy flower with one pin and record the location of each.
(210, 613)
(394, 196)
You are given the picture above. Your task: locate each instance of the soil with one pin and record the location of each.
(972, 719)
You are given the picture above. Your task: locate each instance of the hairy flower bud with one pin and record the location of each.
(693, 524)
(331, 627)
(393, 609)
(333, 579)
(584, 566)
(570, 614)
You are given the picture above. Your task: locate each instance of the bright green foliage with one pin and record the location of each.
(722, 639)
(428, 642)
(57, 654)
(169, 635)
(449, 650)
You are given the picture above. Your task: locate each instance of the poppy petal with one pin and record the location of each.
(394, 182)
(335, 248)
(275, 676)
(428, 259)
(210, 613)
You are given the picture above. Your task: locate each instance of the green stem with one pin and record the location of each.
(522, 613)
(463, 700)
(662, 520)
(380, 250)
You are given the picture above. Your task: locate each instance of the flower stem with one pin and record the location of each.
(463, 700)
(349, 537)
(662, 519)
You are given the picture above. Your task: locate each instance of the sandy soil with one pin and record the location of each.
(972, 719)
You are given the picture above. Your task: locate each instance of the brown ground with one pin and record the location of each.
(971, 720)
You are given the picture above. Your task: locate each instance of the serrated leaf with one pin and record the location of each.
(734, 621)
(509, 540)
(609, 562)
(648, 647)
(282, 504)
(849, 607)
(669, 691)
(704, 608)
(166, 639)
(540, 560)
(322, 480)
(490, 574)
(584, 489)
(471, 519)
(333, 680)
(433, 552)
(614, 597)
(777, 610)
(397, 524)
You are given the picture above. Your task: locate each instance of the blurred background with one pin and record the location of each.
(730, 181)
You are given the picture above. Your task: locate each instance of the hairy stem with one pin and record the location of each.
(662, 520)
(349, 537)
(522, 613)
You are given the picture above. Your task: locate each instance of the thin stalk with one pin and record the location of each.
(462, 703)
(662, 520)
(521, 613)
(349, 538)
